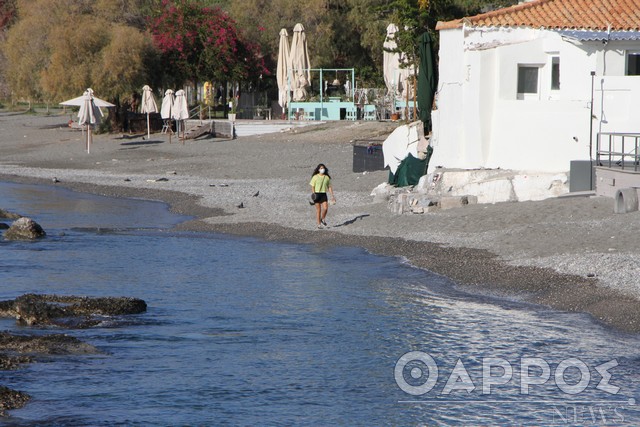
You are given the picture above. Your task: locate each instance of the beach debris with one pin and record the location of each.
(24, 229)
(158, 180)
(223, 185)
(212, 185)
(241, 205)
(68, 311)
(256, 194)
(55, 180)
(172, 173)
(127, 180)
(9, 215)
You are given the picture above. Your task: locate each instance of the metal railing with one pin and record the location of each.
(618, 150)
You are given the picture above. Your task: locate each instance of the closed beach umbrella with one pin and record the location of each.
(395, 77)
(427, 80)
(89, 114)
(300, 64)
(390, 59)
(284, 63)
(167, 104)
(148, 106)
(165, 109)
(180, 111)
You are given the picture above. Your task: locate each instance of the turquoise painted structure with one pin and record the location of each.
(325, 107)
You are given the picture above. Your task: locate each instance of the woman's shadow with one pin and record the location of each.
(351, 221)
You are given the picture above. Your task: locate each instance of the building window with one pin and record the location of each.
(555, 73)
(633, 64)
(527, 82)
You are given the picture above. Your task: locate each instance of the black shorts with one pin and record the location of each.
(321, 198)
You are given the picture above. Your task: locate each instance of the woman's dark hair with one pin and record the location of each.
(317, 170)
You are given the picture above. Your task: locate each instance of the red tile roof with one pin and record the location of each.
(559, 14)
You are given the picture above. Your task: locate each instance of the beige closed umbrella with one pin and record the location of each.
(283, 66)
(180, 111)
(300, 64)
(148, 106)
(395, 77)
(165, 111)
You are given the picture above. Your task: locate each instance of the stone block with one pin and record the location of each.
(452, 202)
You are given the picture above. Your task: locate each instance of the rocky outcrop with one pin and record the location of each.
(24, 229)
(19, 349)
(58, 344)
(11, 399)
(8, 215)
(3, 226)
(68, 311)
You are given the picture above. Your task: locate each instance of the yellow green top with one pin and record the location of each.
(320, 183)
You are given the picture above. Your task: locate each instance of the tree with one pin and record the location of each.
(75, 44)
(200, 43)
(7, 13)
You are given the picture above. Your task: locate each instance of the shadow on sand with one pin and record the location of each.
(351, 221)
(143, 142)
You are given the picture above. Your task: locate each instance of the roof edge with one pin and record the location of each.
(457, 23)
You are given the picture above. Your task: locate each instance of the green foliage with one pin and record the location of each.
(73, 45)
(201, 43)
(7, 13)
(55, 49)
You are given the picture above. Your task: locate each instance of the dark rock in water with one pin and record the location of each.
(9, 362)
(3, 226)
(8, 215)
(11, 399)
(52, 344)
(24, 229)
(68, 311)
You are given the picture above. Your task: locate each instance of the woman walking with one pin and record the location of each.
(320, 183)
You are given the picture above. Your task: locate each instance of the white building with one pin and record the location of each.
(515, 88)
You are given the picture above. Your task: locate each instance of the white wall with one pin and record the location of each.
(480, 123)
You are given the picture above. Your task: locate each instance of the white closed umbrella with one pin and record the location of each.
(284, 64)
(165, 109)
(395, 77)
(180, 111)
(148, 106)
(300, 64)
(89, 114)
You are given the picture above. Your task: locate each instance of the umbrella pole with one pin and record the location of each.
(148, 128)
(88, 139)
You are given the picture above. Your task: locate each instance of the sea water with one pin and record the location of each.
(240, 331)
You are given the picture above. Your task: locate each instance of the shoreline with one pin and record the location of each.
(568, 254)
(476, 271)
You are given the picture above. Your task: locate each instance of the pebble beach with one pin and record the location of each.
(569, 253)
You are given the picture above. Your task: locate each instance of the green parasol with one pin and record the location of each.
(427, 79)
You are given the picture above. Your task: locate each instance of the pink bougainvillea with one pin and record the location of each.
(204, 43)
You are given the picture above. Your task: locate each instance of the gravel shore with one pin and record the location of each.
(571, 253)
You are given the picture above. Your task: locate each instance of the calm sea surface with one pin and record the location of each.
(245, 332)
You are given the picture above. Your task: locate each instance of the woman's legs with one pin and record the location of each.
(318, 211)
(325, 208)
